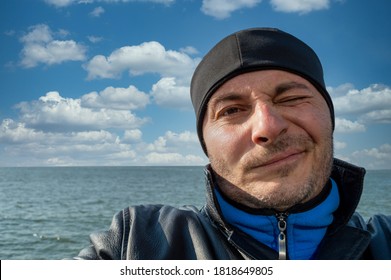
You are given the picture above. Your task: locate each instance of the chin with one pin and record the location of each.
(283, 194)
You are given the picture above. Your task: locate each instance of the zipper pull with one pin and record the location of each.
(281, 222)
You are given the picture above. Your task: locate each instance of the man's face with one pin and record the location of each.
(269, 139)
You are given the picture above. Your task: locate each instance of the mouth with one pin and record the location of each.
(281, 159)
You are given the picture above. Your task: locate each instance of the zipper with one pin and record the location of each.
(281, 222)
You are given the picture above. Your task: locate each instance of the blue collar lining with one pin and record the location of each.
(305, 230)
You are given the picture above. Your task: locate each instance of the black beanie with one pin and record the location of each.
(251, 50)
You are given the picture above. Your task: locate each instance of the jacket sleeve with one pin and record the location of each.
(380, 228)
(106, 245)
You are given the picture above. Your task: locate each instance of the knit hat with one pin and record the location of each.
(252, 50)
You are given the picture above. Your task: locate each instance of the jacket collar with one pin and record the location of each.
(350, 181)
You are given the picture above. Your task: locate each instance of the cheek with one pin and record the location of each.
(224, 142)
(315, 120)
(320, 129)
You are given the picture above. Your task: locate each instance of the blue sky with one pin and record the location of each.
(106, 82)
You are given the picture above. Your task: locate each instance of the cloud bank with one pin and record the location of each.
(65, 3)
(104, 127)
(357, 108)
(218, 9)
(221, 9)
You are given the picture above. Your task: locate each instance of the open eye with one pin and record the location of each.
(230, 111)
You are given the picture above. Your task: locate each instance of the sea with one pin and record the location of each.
(47, 213)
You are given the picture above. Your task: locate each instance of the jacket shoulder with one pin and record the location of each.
(379, 228)
(157, 232)
(172, 233)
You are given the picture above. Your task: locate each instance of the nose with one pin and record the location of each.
(267, 124)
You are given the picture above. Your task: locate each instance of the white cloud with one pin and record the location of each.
(116, 98)
(38, 33)
(221, 9)
(15, 132)
(100, 136)
(18, 133)
(53, 112)
(41, 47)
(62, 33)
(149, 57)
(54, 130)
(133, 135)
(299, 6)
(94, 39)
(60, 3)
(97, 12)
(189, 50)
(347, 126)
(172, 141)
(61, 148)
(378, 116)
(173, 159)
(355, 109)
(184, 137)
(30, 147)
(340, 90)
(65, 3)
(339, 145)
(348, 100)
(167, 93)
(374, 158)
(175, 149)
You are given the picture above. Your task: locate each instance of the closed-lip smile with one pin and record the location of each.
(282, 158)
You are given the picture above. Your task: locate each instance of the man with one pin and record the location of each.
(265, 120)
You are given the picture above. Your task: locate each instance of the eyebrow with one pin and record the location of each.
(229, 96)
(236, 96)
(281, 88)
(226, 97)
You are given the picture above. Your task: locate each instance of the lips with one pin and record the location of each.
(279, 159)
(283, 157)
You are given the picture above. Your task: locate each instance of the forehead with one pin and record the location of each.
(267, 81)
